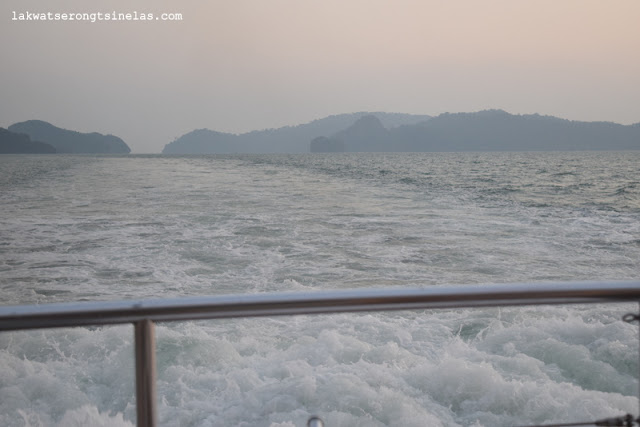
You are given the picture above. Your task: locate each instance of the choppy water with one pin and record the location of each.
(79, 228)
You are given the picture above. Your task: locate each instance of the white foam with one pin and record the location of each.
(153, 227)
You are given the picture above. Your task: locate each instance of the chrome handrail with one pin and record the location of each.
(144, 313)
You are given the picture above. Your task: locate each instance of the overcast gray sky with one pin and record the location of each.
(240, 65)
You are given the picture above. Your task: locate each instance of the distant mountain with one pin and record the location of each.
(67, 141)
(322, 144)
(289, 139)
(490, 130)
(366, 134)
(16, 143)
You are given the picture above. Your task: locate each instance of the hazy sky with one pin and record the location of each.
(240, 65)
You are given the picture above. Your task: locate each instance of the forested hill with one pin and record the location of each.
(497, 130)
(18, 143)
(68, 141)
(289, 139)
(489, 130)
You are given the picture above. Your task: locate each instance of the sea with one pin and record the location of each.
(79, 228)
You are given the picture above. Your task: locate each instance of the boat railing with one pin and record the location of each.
(143, 314)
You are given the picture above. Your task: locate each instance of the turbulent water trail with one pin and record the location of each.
(80, 228)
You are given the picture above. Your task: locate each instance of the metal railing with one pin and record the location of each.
(144, 313)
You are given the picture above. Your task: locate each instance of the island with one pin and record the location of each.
(18, 143)
(488, 130)
(287, 139)
(322, 144)
(68, 141)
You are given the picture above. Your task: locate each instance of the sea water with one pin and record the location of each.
(86, 228)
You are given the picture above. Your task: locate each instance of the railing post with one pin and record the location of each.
(145, 345)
